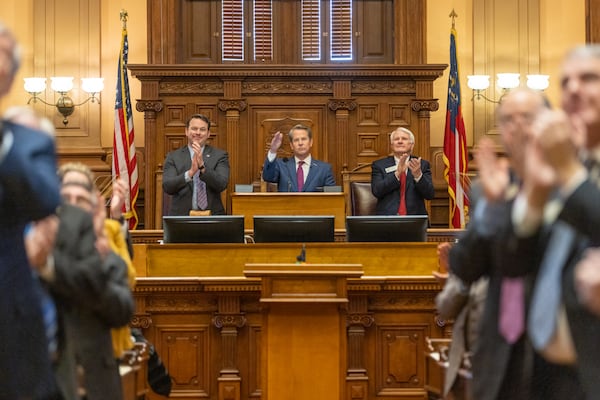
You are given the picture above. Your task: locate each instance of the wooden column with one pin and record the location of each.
(304, 347)
(150, 105)
(357, 379)
(229, 320)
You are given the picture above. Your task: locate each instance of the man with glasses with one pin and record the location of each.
(196, 174)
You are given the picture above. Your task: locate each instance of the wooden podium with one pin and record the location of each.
(304, 348)
(278, 203)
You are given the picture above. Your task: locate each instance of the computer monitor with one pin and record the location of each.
(208, 229)
(386, 228)
(293, 228)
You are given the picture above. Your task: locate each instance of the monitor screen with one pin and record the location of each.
(208, 229)
(293, 228)
(387, 228)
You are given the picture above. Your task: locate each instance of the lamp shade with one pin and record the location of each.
(92, 85)
(61, 83)
(35, 85)
(538, 82)
(478, 82)
(508, 81)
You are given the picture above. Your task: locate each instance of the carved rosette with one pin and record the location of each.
(229, 320)
(149, 106)
(425, 105)
(237, 105)
(365, 320)
(141, 321)
(347, 104)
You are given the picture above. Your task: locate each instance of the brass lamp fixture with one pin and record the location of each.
(63, 85)
(506, 82)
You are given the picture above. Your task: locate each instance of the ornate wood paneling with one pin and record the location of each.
(351, 110)
(209, 331)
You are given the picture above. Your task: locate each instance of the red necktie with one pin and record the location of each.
(402, 206)
(300, 176)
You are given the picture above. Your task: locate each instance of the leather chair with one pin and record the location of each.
(361, 198)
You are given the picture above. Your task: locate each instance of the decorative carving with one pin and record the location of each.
(383, 87)
(229, 320)
(180, 304)
(149, 105)
(365, 320)
(141, 321)
(200, 88)
(226, 105)
(287, 87)
(425, 105)
(348, 104)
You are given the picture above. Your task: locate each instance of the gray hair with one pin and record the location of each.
(401, 129)
(584, 51)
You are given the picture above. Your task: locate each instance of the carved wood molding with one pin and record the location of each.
(236, 105)
(421, 71)
(149, 105)
(383, 87)
(200, 88)
(229, 320)
(141, 321)
(360, 319)
(425, 105)
(349, 105)
(287, 87)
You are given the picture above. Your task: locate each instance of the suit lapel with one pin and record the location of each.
(312, 172)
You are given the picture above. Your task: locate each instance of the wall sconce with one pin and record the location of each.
(62, 85)
(506, 82)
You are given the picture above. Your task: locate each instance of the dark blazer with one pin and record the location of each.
(92, 295)
(216, 177)
(29, 190)
(283, 172)
(500, 370)
(581, 212)
(386, 187)
(466, 309)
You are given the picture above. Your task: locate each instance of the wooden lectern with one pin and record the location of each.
(304, 329)
(280, 203)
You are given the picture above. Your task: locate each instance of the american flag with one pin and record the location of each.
(455, 146)
(124, 160)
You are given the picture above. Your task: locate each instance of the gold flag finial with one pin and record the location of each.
(453, 15)
(123, 17)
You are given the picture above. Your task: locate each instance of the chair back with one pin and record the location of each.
(362, 199)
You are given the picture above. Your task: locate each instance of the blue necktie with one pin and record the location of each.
(545, 300)
(200, 186)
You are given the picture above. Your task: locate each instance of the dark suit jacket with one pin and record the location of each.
(216, 177)
(466, 309)
(28, 191)
(581, 212)
(283, 172)
(92, 295)
(500, 370)
(386, 188)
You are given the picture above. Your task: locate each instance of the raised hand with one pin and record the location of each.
(119, 194)
(493, 172)
(402, 165)
(276, 142)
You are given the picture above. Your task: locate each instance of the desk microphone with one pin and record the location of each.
(289, 185)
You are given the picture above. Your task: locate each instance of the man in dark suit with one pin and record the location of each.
(89, 285)
(558, 189)
(28, 191)
(300, 173)
(504, 363)
(195, 169)
(401, 173)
